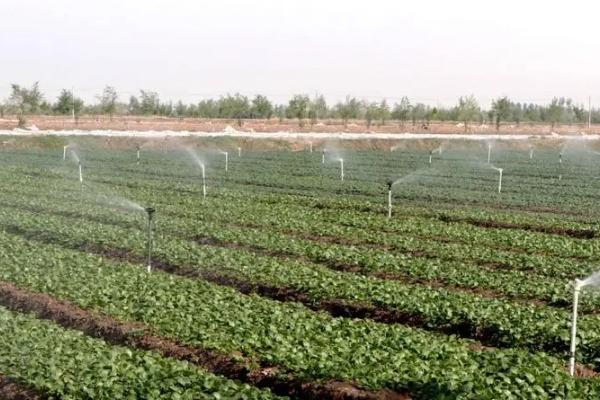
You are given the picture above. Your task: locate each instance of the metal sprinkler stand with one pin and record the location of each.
(430, 156)
(65, 152)
(80, 174)
(576, 290)
(150, 211)
(500, 180)
(138, 155)
(389, 184)
(323, 156)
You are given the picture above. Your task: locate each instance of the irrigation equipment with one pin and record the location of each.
(499, 178)
(310, 148)
(203, 180)
(65, 152)
(490, 154)
(150, 211)
(390, 183)
(430, 156)
(531, 152)
(138, 155)
(578, 285)
(80, 173)
(239, 151)
(323, 156)
(226, 160)
(341, 169)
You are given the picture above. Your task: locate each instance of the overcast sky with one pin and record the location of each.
(430, 51)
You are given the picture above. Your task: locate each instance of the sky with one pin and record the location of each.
(430, 51)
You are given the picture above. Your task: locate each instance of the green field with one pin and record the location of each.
(287, 281)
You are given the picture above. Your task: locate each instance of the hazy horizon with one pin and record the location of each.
(429, 51)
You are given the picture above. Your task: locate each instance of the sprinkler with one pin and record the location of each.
(490, 154)
(65, 152)
(138, 155)
(323, 156)
(80, 174)
(500, 180)
(576, 289)
(203, 181)
(150, 211)
(341, 169)
(239, 151)
(390, 184)
(531, 152)
(310, 149)
(430, 156)
(226, 160)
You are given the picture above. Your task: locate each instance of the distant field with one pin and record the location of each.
(141, 123)
(286, 281)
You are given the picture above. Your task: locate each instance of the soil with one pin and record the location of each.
(139, 336)
(11, 389)
(151, 123)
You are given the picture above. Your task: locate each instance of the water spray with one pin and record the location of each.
(341, 169)
(490, 155)
(150, 211)
(65, 152)
(560, 165)
(390, 183)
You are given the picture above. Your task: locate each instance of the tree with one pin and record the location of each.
(65, 104)
(298, 107)
(371, 113)
(180, 109)
(467, 110)
(27, 101)
(383, 111)
(149, 102)
(108, 101)
(348, 109)
(501, 110)
(401, 110)
(236, 107)
(318, 105)
(261, 107)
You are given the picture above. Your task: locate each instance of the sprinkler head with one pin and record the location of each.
(577, 284)
(150, 211)
(389, 184)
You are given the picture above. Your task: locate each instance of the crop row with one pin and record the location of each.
(310, 344)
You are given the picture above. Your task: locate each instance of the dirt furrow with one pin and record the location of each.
(12, 389)
(137, 335)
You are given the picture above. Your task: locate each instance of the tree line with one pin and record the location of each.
(303, 108)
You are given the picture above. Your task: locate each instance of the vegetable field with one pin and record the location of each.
(287, 282)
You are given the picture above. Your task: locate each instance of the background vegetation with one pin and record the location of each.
(305, 109)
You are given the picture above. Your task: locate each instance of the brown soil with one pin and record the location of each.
(145, 123)
(487, 293)
(11, 389)
(139, 336)
(575, 233)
